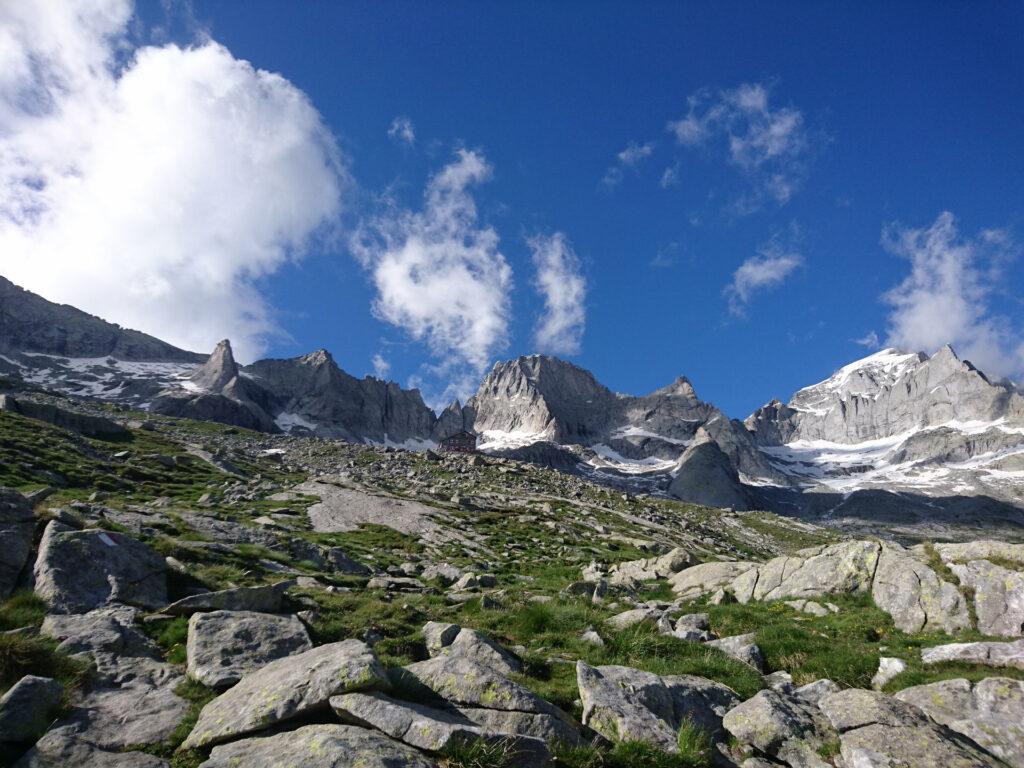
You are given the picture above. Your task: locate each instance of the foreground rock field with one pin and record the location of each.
(178, 593)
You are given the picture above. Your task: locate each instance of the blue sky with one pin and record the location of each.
(850, 124)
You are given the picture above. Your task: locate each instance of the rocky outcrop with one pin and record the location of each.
(225, 645)
(900, 584)
(989, 712)
(877, 731)
(787, 728)
(625, 704)
(30, 323)
(318, 746)
(288, 688)
(706, 476)
(992, 654)
(998, 596)
(311, 393)
(27, 709)
(83, 424)
(217, 392)
(77, 571)
(17, 524)
(264, 598)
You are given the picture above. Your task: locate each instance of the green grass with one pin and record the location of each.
(22, 609)
(23, 654)
(171, 635)
(629, 754)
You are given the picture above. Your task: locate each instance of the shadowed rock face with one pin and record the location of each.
(30, 323)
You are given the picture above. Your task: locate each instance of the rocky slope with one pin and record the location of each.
(187, 594)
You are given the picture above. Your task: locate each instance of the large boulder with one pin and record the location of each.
(840, 568)
(434, 730)
(265, 598)
(77, 571)
(477, 646)
(16, 527)
(650, 568)
(705, 578)
(103, 631)
(225, 645)
(877, 731)
(989, 712)
(288, 688)
(788, 728)
(916, 598)
(62, 748)
(625, 704)
(998, 596)
(489, 699)
(319, 746)
(27, 709)
(992, 654)
(742, 648)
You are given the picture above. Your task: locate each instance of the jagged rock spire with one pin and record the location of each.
(218, 370)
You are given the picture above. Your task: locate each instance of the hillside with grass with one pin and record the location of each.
(195, 594)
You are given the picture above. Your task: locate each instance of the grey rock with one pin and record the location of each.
(288, 688)
(998, 596)
(438, 635)
(812, 693)
(839, 568)
(992, 654)
(477, 646)
(916, 598)
(84, 424)
(650, 568)
(624, 704)
(548, 728)
(808, 606)
(225, 645)
(63, 748)
(433, 730)
(980, 550)
(705, 578)
(707, 476)
(888, 668)
(877, 731)
(133, 702)
(28, 708)
(784, 727)
(444, 573)
(742, 648)
(341, 563)
(17, 525)
(108, 630)
(989, 712)
(319, 746)
(263, 599)
(632, 617)
(77, 571)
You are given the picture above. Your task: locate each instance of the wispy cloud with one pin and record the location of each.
(439, 274)
(628, 159)
(767, 145)
(560, 282)
(946, 297)
(381, 367)
(869, 340)
(402, 131)
(246, 174)
(767, 270)
(666, 257)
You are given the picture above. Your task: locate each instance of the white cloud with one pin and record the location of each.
(946, 297)
(153, 186)
(869, 340)
(402, 131)
(628, 159)
(762, 272)
(381, 367)
(560, 282)
(766, 145)
(439, 274)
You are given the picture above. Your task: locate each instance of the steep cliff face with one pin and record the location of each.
(217, 392)
(312, 393)
(30, 323)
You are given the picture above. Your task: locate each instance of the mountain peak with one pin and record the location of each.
(219, 369)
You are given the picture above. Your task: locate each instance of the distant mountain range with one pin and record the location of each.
(895, 439)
